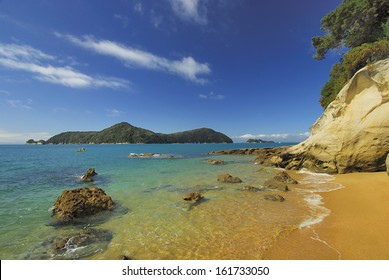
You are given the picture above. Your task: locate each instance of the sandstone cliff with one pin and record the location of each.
(353, 132)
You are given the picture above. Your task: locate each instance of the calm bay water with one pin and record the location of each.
(154, 222)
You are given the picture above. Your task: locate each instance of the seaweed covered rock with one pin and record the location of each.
(81, 202)
(227, 178)
(89, 174)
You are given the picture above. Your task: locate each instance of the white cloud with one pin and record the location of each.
(187, 67)
(212, 96)
(138, 7)
(277, 137)
(19, 104)
(7, 137)
(114, 113)
(26, 58)
(190, 10)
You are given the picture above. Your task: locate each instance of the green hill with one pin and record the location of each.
(126, 133)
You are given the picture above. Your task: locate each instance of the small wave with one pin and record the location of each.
(318, 211)
(312, 184)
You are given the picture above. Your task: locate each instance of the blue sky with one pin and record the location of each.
(244, 68)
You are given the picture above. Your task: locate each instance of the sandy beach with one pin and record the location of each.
(356, 229)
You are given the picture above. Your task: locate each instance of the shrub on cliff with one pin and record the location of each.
(353, 60)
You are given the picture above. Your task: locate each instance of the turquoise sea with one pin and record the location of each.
(152, 221)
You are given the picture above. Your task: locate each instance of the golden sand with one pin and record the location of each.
(356, 229)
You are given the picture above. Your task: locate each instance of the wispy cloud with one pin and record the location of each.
(20, 104)
(29, 59)
(187, 67)
(138, 7)
(190, 10)
(212, 96)
(281, 137)
(115, 113)
(123, 19)
(4, 92)
(8, 137)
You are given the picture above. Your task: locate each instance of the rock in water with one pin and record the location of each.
(280, 181)
(285, 178)
(251, 189)
(387, 164)
(353, 132)
(275, 184)
(81, 202)
(227, 178)
(215, 161)
(72, 246)
(196, 196)
(274, 197)
(88, 176)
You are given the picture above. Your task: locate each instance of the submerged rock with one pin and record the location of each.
(89, 174)
(81, 202)
(275, 184)
(227, 178)
(73, 246)
(195, 196)
(274, 197)
(215, 161)
(251, 189)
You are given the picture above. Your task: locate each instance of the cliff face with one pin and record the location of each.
(353, 132)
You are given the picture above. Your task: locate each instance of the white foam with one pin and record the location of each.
(319, 212)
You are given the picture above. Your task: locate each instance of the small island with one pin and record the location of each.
(125, 133)
(33, 142)
(258, 141)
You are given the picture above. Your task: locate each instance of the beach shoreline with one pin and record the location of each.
(355, 229)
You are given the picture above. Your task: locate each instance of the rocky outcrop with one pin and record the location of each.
(227, 178)
(88, 176)
(215, 161)
(195, 196)
(78, 203)
(387, 164)
(353, 132)
(351, 135)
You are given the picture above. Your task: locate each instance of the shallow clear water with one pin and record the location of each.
(153, 221)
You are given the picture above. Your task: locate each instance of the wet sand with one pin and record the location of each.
(356, 229)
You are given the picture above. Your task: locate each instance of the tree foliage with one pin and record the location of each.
(353, 61)
(362, 26)
(351, 24)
